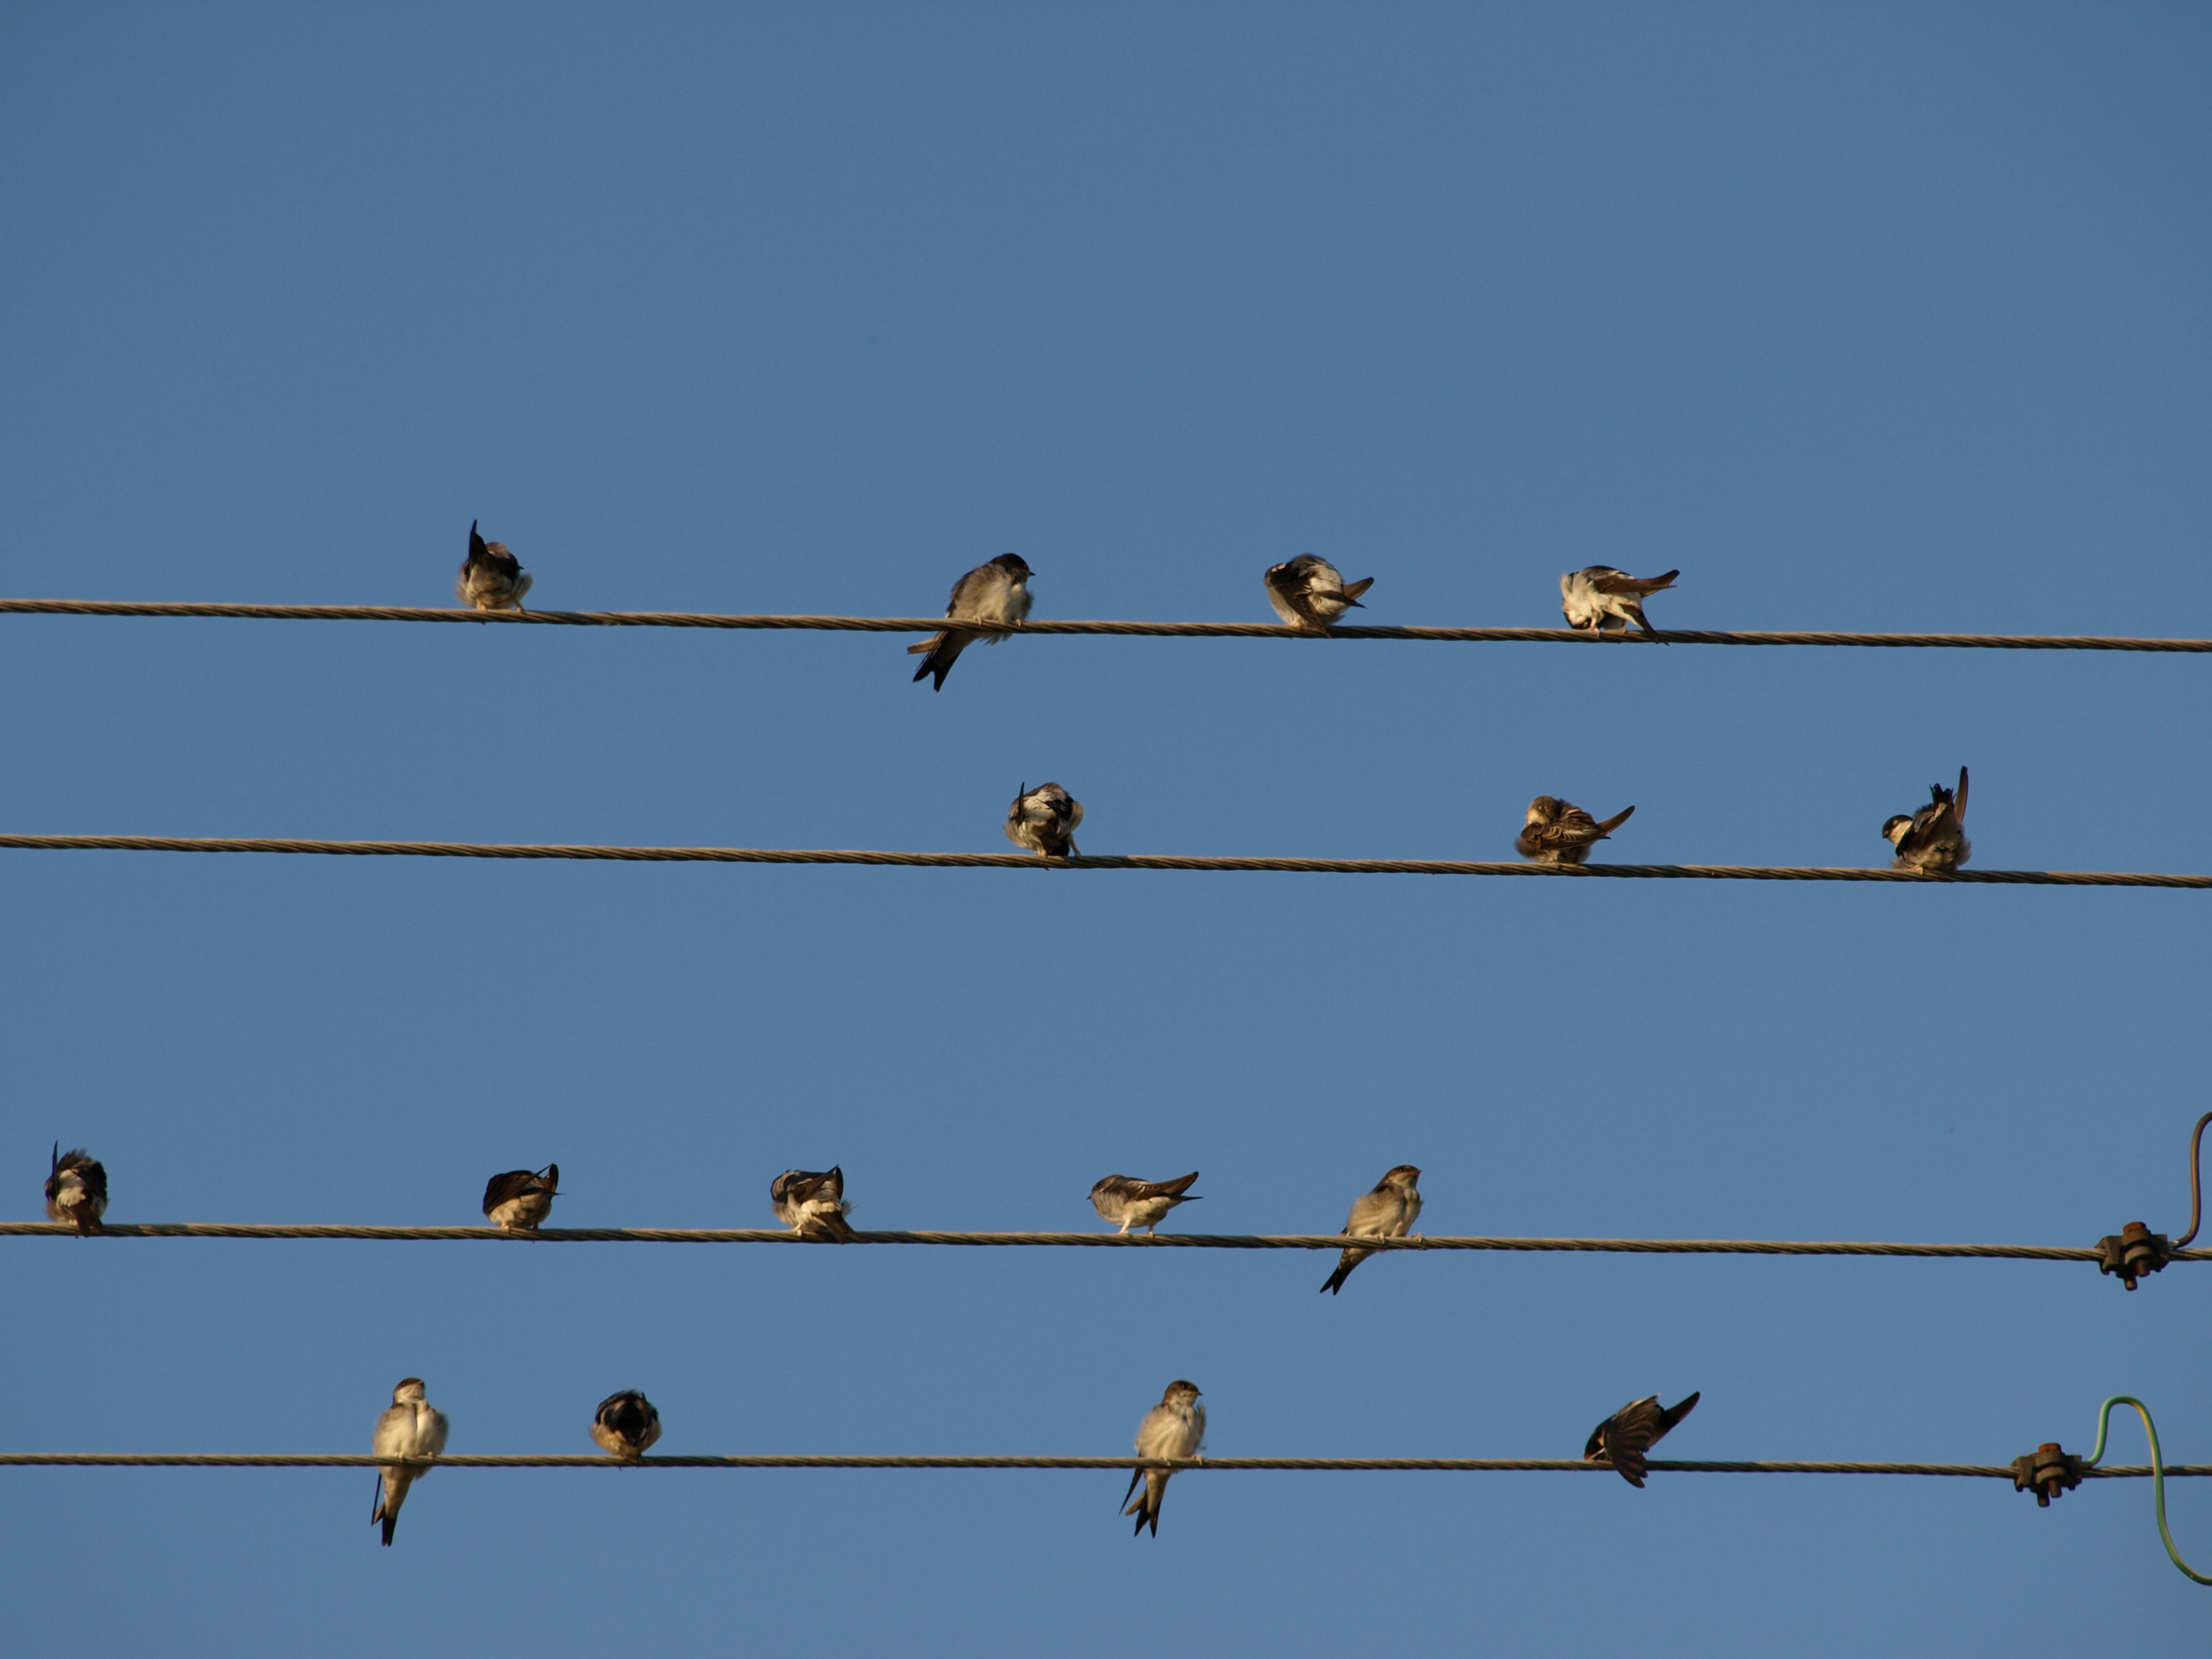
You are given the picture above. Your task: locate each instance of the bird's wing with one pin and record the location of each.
(1640, 587)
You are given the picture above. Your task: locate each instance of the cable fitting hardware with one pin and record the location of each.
(2047, 1472)
(2133, 1252)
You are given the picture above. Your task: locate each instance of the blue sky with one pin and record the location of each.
(1867, 317)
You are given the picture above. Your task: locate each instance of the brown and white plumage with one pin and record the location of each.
(1623, 1438)
(76, 1189)
(812, 1203)
(1387, 1212)
(1175, 1428)
(1126, 1201)
(491, 579)
(1932, 840)
(996, 592)
(1603, 600)
(1558, 831)
(1045, 819)
(625, 1425)
(520, 1200)
(410, 1427)
(1308, 593)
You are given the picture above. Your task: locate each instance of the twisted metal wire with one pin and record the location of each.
(1132, 861)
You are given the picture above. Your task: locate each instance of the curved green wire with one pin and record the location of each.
(2158, 1471)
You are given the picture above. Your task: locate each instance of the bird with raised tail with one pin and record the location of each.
(76, 1189)
(997, 592)
(410, 1427)
(1125, 1202)
(625, 1425)
(1308, 593)
(1387, 1212)
(1623, 1438)
(491, 579)
(1175, 1428)
(520, 1200)
(1932, 841)
(1558, 831)
(1603, 600)
(812, 1203)
(1045, 819)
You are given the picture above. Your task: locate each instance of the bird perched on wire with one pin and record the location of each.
(492, 579)
(813, 1205)
(1623, 1438)
(1308, 593)
(1932, 840)
(1558, 831)
(1603, 600)
(410, 1427)
(625, 1425)
(77, 1190)
(1126, 1201)
(520, 1200)
(1175, 1428)
(1387, 1212)
(1045, 819)
(996, 592)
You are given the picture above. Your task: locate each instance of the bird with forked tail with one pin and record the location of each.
(1603, 600)
(1623, 1438)
(1932, 841)
(625, 1425)
(1174, 1429)
(77, 1190)
(997, 592)
(520, 1200)
(1308, 592)
(491, 579)
(1125, 1202)
(812, 1203)
(1558, 831)
(1387, 1212)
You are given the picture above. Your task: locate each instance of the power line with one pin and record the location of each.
(1157, 630)
(1132, 861)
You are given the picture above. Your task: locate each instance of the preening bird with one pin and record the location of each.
(1603, 600)
(1308, 593)
(521, 1200)
(1387, 1212)
(410, 1427)
(492, 579)
(1175, 1428)
(813, 1204)
(1045, 819)
(1623, 1438)
(996, 592)
(1932, 841)
(625, 1425)
(1558, 831)
(1126, 1201)
(77, 1190)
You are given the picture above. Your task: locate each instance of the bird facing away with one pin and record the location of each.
(1623, 1438)
(813, 1205)
(1934, 839)
(77, 1190)
(492, 579)
(625, 1425)
(1308, 593)
(521, 1200)
(996, 592)
(1387, 1212)
(1174, 1428)
(1045, 819)
(1603, 600)
(410, 1427)
(1126, 1201)
(1558, 831)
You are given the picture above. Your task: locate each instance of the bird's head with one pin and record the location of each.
(1180, 1393)
(1893, 830)
(409, 1388)
(1014, 565)
(1543, 810)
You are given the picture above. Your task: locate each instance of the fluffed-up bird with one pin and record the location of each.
(996, 592)
(813, 1204)
(1558, 831)
(520, 1200)
(1045, 819)
(625, 1425)
(410, 1427)
(1932, 841)
(492, 579)
(1175, 1428)
(1387, 1212)
(1125, 1202)
(77, 1190)
(1308, 593)
(1625, 1437)
(1603, 600)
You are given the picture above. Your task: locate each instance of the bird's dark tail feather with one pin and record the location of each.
(1135, 1475)
(1352, 590)
(1675, 1413)
(1615, 821)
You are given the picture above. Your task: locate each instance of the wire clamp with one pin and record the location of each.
(2133, 1252)
(2047, 1472)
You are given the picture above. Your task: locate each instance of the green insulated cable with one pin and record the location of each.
(2158, 1471)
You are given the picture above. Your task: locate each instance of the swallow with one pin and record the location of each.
(1128, 1202)
(77, 1190)
(1558, 831)
(492, 579)
(813, 1205)
(1623, 1438)
(1174, 1428)
(1603, 600)
(1387, 1212)
(1932, 841)
(1308, 593)
(996, 592)
(410, 1427)
(625, 1425)
(1045, 819)
(520, 1200)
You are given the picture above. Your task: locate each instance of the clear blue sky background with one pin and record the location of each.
(1867, 317)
